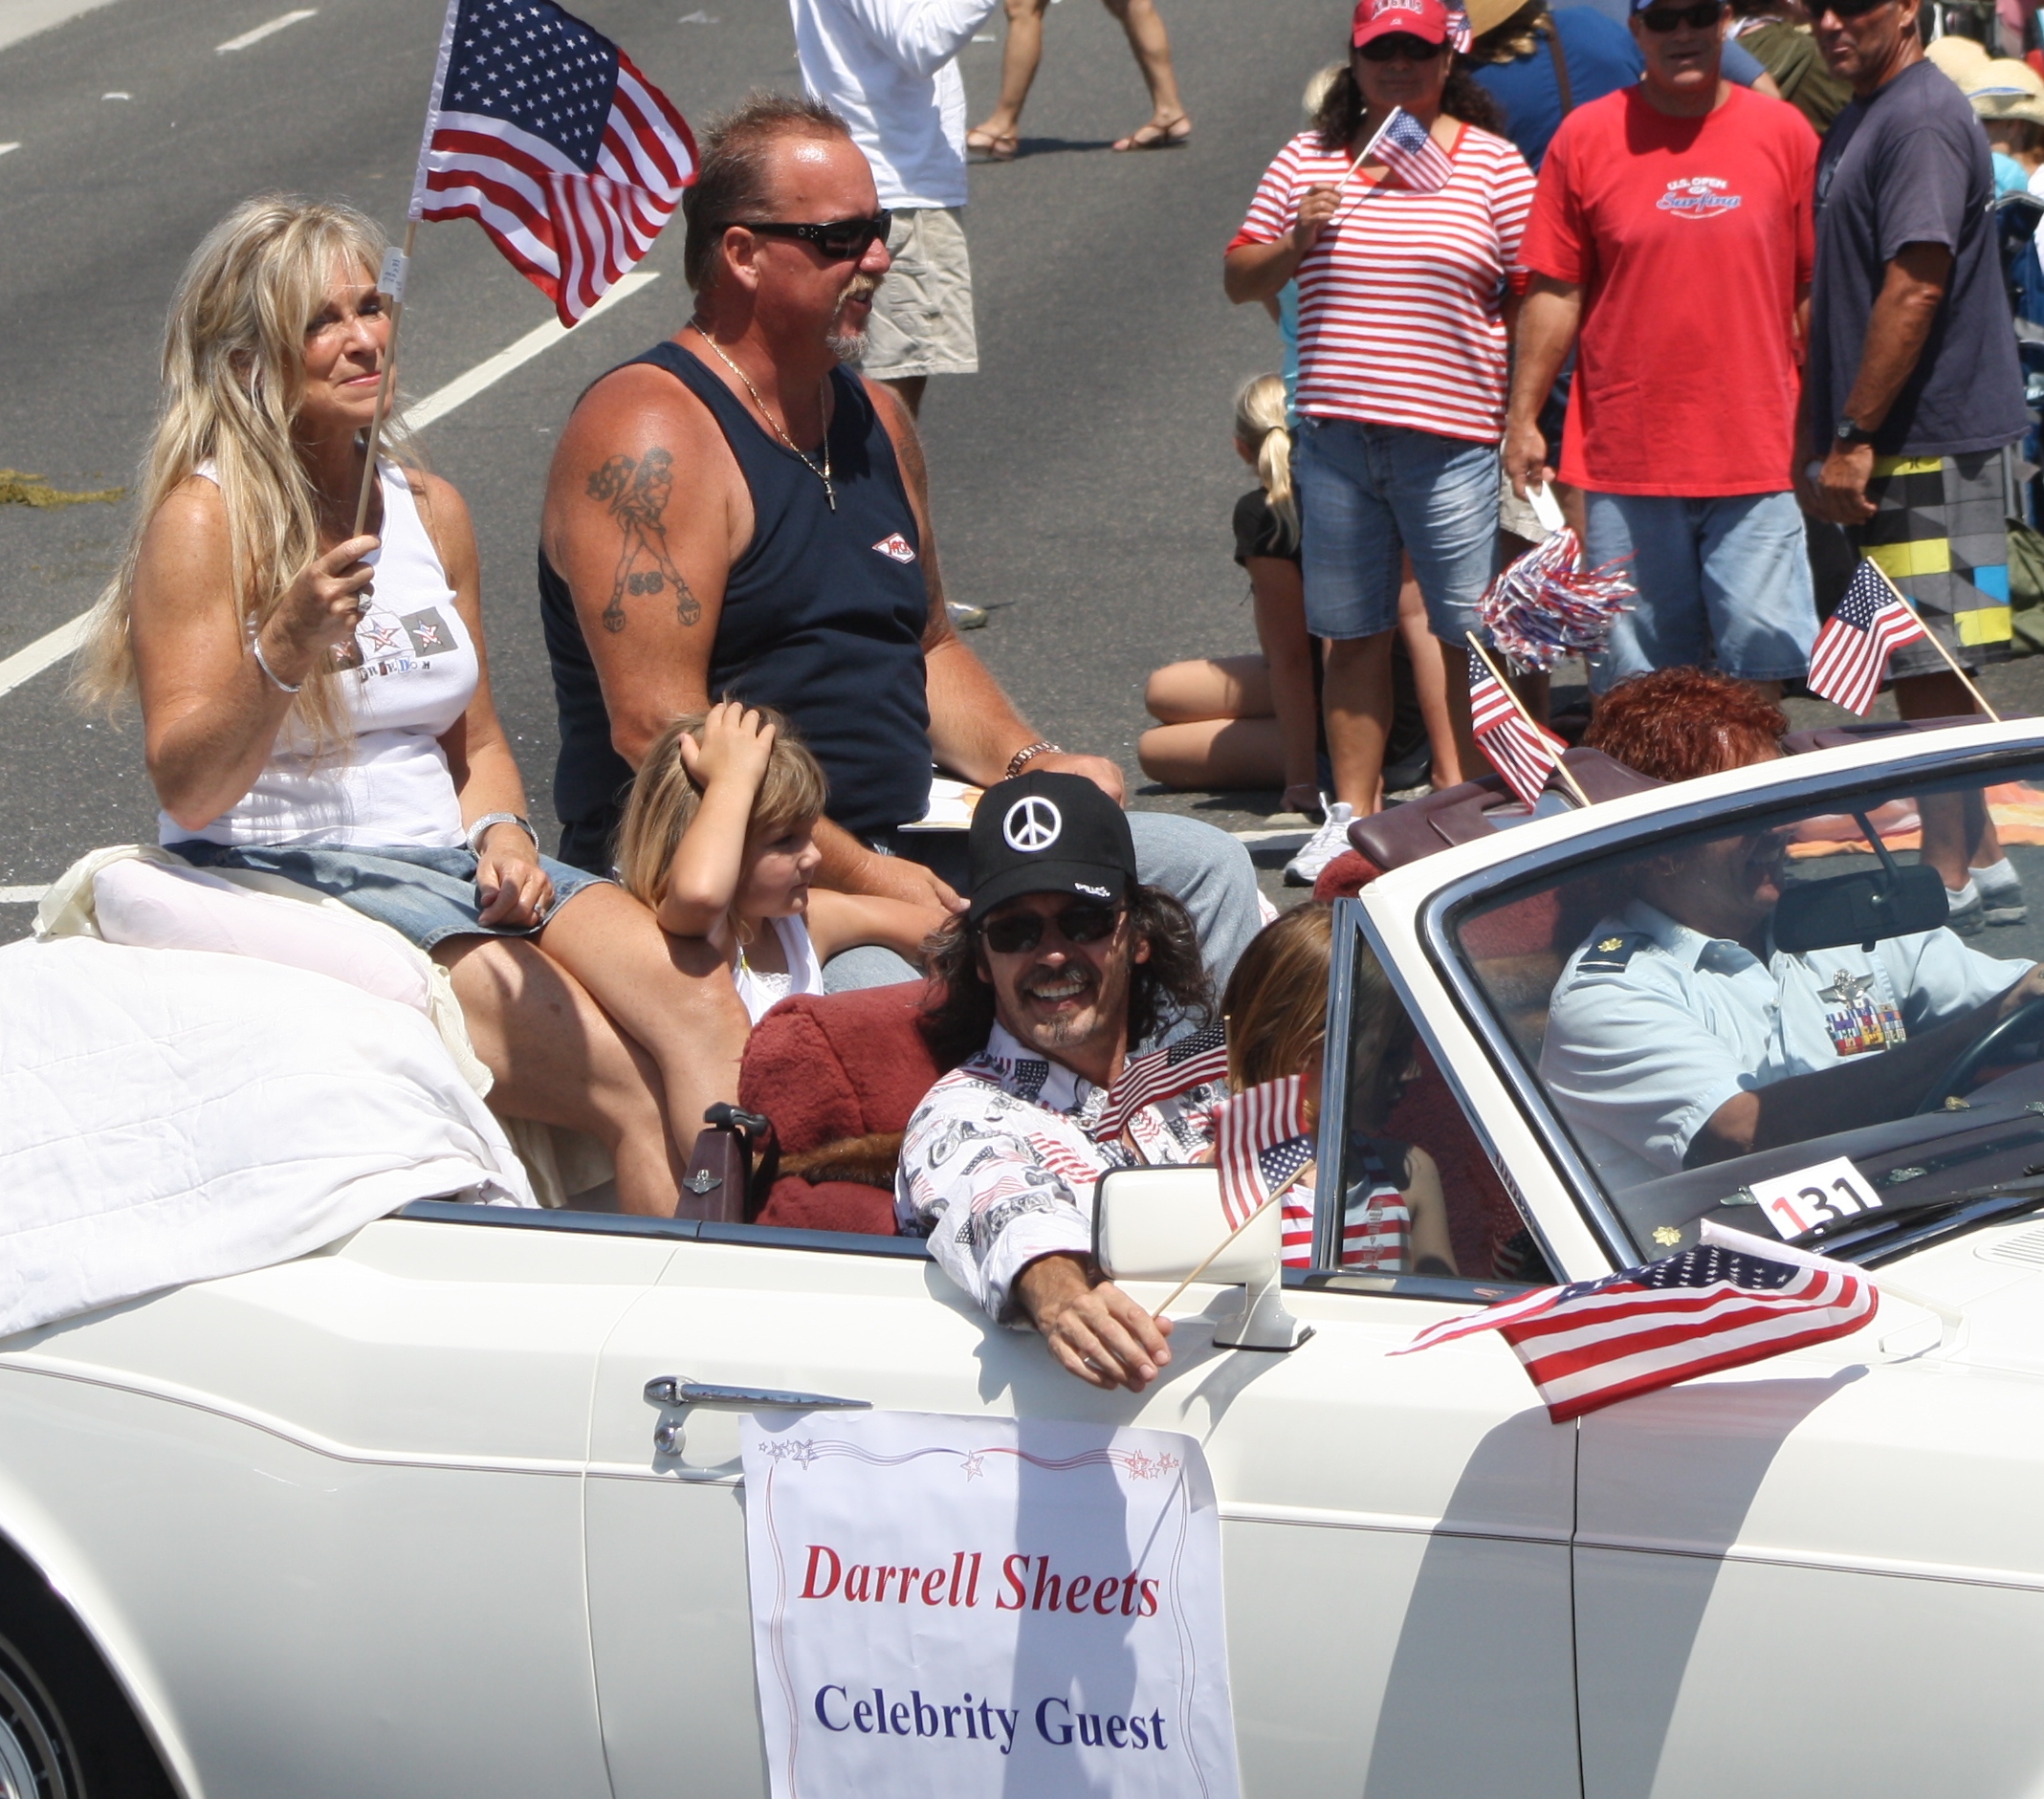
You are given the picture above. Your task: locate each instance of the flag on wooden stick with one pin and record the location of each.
(1199, 1059)
(1525, 753)
(1851, 658)
(542, 130)
(1262, 1139)
(1408, 148)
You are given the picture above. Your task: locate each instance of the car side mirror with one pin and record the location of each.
(1861, 908)
(1167, 1224)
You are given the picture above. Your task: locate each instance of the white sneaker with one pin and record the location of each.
(2001, 894)
(1323, 846)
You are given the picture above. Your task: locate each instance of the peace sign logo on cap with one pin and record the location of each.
(1033, 823)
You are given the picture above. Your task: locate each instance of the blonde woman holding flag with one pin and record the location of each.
(316, 703)
(1399, 214)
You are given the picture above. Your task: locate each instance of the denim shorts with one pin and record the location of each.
(425, 895)
(1367, 493)
(1723, 582)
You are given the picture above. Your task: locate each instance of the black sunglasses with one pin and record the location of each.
(1698, 18)
(1849, 9)
(843, 240)
(1399, 44)
(1020, 932)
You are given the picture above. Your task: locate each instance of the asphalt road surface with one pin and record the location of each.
(1082, 482)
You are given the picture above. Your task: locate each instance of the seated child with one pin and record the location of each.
(718, 840)
(1395, 1220)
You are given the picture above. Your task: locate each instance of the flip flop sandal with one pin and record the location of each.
(992, 146)
(1156, 137)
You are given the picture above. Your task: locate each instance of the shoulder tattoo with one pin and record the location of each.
(636, 493)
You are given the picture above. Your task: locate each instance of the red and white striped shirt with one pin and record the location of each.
(1401, 317)
(1376, 1227)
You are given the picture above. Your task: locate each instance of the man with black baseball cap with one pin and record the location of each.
(1061, 963)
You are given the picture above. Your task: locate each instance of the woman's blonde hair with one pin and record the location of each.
(665, 800)
(1259, 427)
(1277, 998)
(233, 372)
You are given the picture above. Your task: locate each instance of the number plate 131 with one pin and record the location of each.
(1820, 1194)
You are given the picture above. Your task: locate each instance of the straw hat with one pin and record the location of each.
(1487, 14)
(2007, 89)
(1959, 57)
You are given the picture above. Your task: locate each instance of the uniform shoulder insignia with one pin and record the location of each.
(1611, 952)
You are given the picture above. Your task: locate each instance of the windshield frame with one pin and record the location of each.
(1440, 914)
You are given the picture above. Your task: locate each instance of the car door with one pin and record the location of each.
(325, 1518)
(1395, 1529)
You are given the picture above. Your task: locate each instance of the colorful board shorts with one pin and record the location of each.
(1940, 534)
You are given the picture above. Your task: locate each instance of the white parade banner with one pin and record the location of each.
(961, 1607)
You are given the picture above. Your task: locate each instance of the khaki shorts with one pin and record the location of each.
(922, 317)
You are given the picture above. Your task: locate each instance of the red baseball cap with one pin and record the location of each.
(1426, 19)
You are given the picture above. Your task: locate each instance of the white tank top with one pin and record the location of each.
(758, 991)
(412, 674)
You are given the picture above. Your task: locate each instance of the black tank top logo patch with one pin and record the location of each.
(896, 546)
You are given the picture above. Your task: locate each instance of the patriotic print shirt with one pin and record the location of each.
(1401, 317)
(999, 1163)
(1376, 1228)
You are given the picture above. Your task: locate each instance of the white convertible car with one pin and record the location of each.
(451, 1506)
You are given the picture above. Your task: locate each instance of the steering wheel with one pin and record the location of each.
(1986, 1050)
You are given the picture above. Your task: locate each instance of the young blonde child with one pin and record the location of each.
(1395, 1220)
(718, 839)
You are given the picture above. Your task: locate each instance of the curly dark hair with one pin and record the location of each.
(1676, 724)
(1172, 984)
(1341, 113)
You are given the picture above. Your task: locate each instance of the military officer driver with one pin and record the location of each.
(1679, 1036)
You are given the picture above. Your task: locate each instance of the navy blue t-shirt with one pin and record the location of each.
(1909, 164)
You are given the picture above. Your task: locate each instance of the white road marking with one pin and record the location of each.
(117, 94)
(1290, 836)
(261, 32)
(25, 18)
(6, 147)
(465, 387)
(25, 665)
(22, 895)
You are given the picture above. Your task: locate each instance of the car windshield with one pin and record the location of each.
(1787, 1021)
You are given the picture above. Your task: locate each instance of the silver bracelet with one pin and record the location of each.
(1027, 754)
(489, 820)
(262, 662)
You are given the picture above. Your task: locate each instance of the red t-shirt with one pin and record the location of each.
(1691, 239)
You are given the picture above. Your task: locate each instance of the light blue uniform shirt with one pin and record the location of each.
(1652, 1027)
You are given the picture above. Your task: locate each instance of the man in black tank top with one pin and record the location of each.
(736, 514)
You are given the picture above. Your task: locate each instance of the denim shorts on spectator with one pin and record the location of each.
(1723, 582)
(1367, 493)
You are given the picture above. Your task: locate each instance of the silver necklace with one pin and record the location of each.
(822, 474)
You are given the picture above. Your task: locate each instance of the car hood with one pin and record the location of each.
(1989, 1281)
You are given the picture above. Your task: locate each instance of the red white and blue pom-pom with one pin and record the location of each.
(1547, 605)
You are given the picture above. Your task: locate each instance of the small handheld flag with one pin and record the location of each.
(1408, 147)
(1525, 753)
(542, 130)
(1460, 33)
(1731, 1299)
(1262, 1139)
(1851, 657)
(1201, 1059)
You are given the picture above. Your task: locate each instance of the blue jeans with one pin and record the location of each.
(1369, 491)
(1207, 871)
(1723, 583)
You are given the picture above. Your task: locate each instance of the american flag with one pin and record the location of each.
(1526, 754)
(1199, 1059)
(1262, 1139)
(542, 131)
(1408, 147)
(1731, 1299)
(1851, 657)
(1460, 34)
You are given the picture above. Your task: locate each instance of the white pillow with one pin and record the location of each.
(149, 906)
